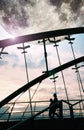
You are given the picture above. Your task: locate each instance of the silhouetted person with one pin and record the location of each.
(51, 111)
(55, 97)
(56, 104)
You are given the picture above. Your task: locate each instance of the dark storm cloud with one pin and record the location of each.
(76, 5)
(25, 2)
(63, 17)
(73, 7)
(57, 3)
(13, 13)
(37, 15)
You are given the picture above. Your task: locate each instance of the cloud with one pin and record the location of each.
(13, 13)
(3, 62)
(70, 12)
(28, 16)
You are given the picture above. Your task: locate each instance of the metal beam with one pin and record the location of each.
(39, 79)
(39, 36)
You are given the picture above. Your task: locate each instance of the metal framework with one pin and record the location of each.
(39, 79)
(43, 36)
(39, 36)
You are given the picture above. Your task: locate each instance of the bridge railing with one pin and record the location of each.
(21, 110)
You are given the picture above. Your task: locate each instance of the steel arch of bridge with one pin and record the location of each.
(40, 78)
(41, 35)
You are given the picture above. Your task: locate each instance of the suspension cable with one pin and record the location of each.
(27, 77)
(31, 99)
(76, 67)
(61, 71)
(13, 106)
(54, 81)
(26, 69)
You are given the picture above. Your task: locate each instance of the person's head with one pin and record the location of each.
(50, 99)
(54, 95)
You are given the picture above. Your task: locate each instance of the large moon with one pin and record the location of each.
(31, 16)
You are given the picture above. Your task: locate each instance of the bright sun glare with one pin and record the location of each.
(12, 36)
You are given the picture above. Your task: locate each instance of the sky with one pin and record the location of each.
(31, 16)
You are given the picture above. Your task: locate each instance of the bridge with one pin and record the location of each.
(15, 114)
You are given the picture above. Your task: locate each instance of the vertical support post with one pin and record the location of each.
(45, 54)
(61, 109)
(71, 112)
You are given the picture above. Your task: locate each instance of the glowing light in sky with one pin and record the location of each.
(31, 17)
(12, 37)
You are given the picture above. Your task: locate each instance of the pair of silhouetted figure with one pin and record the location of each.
(54, 104)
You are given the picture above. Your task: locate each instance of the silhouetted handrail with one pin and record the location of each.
(19, 125)
(9, 115)
(29, 120)
(39, 79)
